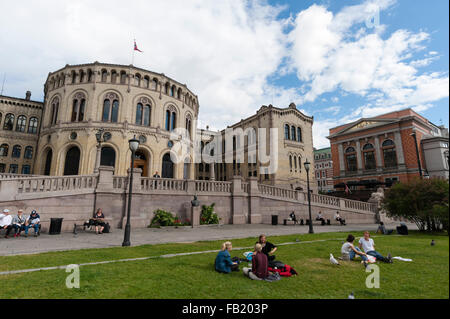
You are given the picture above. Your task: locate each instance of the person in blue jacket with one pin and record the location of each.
(223, 263)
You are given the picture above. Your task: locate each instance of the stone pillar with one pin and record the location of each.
(105, 178)
(137, 172)
(341, 159)
(378, 154)
(8, 190)
(399, 150)
(359, 157)
(98, 158)
(195, 216)
(212, 172)
(190, 187)
(254, 201)
(237, 199)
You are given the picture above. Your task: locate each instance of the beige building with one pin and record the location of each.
(294, 144)
(19, 132)
(123, 101)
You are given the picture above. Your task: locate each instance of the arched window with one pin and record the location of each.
(17, 150)
(123, 77)
(143, 112)
(4, 150)
(171, 117)
(179, 94)
(104, 75)
(78, 109)
(72, 162)
(55, 109)
(48, 162)
(172, 90)
(295, 163)
(21, 123)
(137, 80)
(108, 156)
(286, 132)
(90, 75)
(189, 124)
(9, 122)
(113, 76)
(369, 157)
(74, 77)
(166, 88)
(155, 84)
(293, 133)
(139, 111)
(299, 135)
(351, 159)
(290, 162)
(300, 164)
(167, 166)
(146, 82)
(1, 116)
(110, 108)
(28, 152)
(389, 154)
(82, 74)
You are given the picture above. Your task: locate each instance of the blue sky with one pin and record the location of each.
(326, 56)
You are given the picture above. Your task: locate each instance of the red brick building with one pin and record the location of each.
(380, 148)
(324, 169)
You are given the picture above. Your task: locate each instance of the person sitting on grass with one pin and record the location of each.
(339, 219)
(99, 221)
(223, 263)
(349, 251)
(368, 245)
(34, 221)
(382, 230)
(320, 218)
(267, 248)
(260, 264)
(18, 223)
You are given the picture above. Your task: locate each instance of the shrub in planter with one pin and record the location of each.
(208, 216)
(162, 218)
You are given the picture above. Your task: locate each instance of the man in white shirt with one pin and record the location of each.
(5, 220)
(368, 245)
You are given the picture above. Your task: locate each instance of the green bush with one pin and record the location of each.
(208, 216)
(422, 201)
(162, 218)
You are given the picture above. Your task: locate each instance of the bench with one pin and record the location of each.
(295, 222)
(86, 227)
(319, 223)
(12, 230)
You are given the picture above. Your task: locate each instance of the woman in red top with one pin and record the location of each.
(260, 264)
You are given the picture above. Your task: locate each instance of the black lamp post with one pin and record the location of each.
(307, 166)
(134, 144)
(413, 134)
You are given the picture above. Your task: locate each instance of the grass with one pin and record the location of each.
(194, 276)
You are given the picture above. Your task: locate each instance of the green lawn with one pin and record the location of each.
(194, 276)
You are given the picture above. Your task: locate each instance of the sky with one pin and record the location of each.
(336, 60)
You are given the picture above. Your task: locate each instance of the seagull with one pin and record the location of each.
(432, 242)
(333, 260)
(297, 240)
(351, 296)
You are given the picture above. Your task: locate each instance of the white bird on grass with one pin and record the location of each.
(333, 260)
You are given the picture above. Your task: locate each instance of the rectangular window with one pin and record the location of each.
(369, 160)
(351, 163)
(13, 168)
(2, 168)
(26, 169)
(390, 157)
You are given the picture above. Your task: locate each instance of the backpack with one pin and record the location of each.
(286, 271)
(107, 228)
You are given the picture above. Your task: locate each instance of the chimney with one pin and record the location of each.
(28, 95)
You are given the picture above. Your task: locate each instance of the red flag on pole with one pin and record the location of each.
(136, 48)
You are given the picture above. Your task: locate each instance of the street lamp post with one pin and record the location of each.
(307, 166)
(134, 144)
(100, 139)
(413, 134)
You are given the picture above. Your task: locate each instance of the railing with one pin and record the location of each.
(363, 206)
(245, 187)
(324, 200)
(14, 176)
(165, 184)
(277, 191)
(213, 186)
(52, 184)
(120, 182)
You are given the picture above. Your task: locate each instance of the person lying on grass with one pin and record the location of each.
(267, 248)
(368, 245)
(223, 263)
(349, 251)
(260, 264)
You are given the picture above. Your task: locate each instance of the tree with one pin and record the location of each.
(422, 201)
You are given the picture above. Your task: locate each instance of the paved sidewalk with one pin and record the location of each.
(84, 240)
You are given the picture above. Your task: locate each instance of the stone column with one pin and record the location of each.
(358, 157)
(137, 172)
(212, 172)
(98, 158)
(341, 159)
(378, 154)
(195, 216)
(8, 190)
(399, 150)
(254, 201)
(105, 178)
(237, 199)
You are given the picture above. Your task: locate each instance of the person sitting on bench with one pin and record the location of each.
(293, 218)
(267, 248)
(18, 223)
(338, 218)
(320, 218)
(5, 221)
(34, 220)
(98, 220)
(223, 263)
